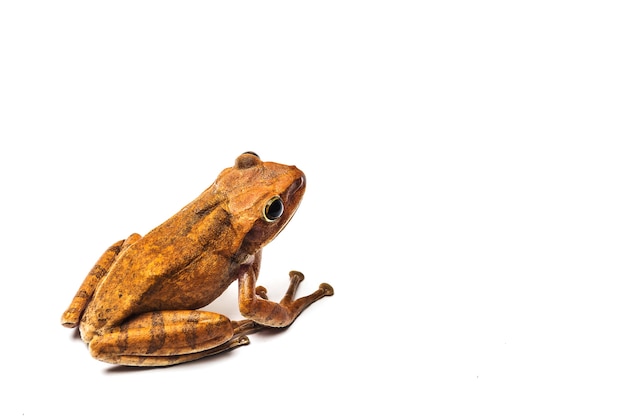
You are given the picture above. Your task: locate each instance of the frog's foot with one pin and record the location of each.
(146, 361)
(255, 305)
(163, 338)
(235, 342)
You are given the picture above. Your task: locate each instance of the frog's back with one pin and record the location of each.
(182, 264)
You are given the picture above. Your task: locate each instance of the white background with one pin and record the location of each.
(466, 198)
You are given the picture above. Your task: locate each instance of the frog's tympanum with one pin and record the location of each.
(139, 304)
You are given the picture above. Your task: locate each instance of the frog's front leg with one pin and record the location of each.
(254, 305)
(162, 338)
(72, 315)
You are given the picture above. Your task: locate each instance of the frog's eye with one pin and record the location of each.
(273, 209)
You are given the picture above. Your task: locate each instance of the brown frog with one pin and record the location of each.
(138, 305)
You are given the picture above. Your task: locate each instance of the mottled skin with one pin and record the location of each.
(138, 305)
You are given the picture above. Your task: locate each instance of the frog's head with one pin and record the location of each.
(261, 197)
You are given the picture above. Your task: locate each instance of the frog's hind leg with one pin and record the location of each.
(163, 338)
(72, 315)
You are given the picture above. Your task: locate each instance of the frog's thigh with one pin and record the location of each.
(166, 337)
(72, 315)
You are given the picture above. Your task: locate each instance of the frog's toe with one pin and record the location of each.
(327, 288)
(240, 341)
(261, 292)
(296, 277)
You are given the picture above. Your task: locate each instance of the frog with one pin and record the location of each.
(143, 302)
